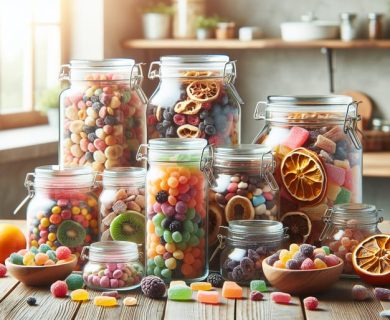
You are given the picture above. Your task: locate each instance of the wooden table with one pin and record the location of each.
(335, 304)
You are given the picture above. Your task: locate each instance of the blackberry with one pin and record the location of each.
(176, 226)
(166, 223)
(31, 301)
(153, 287)
(162, 196)
(162, 241)
(216, 280)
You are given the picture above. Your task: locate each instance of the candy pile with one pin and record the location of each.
(303, 257)
(3, 270)
(114, 275)
(42, 256)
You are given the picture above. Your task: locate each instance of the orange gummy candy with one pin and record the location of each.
(204, 286)
(231, 290)
(208, 297)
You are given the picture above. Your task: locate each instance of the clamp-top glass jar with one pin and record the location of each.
(345, 226)
(196, 98)
(122, 205)
(318, 157)
(245, 247)
(102, 118)
(176, 204)
(63, 210)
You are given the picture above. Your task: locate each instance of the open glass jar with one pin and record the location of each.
(246, 245)
(318, 157)
(112, 265)
(345, 226)
(176, 205)
(196, 98)
(102, 119)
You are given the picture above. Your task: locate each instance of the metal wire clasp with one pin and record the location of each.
(350, 123)
(136, 78)
(29, 184)
(259, 113)
(64, 72)
(206, 164)
(327, 219)
(229, 77)
(152, 74)
(142, 153)
(267, 168)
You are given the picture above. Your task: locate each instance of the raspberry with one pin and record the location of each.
(63, 253)
(215, 140)
(310, 303)
(207, 105)
(360, 292)
(162, 196)
(179, 119)
(59, 289)
(307, 264)
(152, 120)
(3, 270)
(382, 294)
(256, 296)
(192, 119)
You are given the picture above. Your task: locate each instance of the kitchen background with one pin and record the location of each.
(98, 28)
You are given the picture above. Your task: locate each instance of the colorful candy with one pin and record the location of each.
(231, 290)
(59, 289)
(153, 287)
(180, 293)
(74, 281)
(130, 301)
(211, 297)
(281, 297)
(258, 285)
(104, 301)
(256, 296)
(79, 295)
(201, 286)
(310, 303)
(360, 292)
(382, 294)
(3, 270)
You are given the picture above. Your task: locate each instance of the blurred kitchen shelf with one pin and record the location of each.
(254, 44)
(376, 164)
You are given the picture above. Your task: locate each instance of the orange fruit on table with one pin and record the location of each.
(299, 226)
(304, 176)
(371, 259)
(12, 240)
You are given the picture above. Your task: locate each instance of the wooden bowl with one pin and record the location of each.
(41, 275)
(302, 281)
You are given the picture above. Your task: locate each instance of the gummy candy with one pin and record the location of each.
(231, 290)
(332, 260)
(104, 301)
(280, 297)
(59, 289)
(180, 293)
(211, 297)
(79, 295)
(113, 293)
(177, 283)
(307, 264)
(319, 264)
(63, 253)
(360, 292)
(29, 259)
(310, 303)
(130, 301)
(204, 286)
(258, 285)
(256, 296)
(74, 281)
(16, 258)
(382, 294)
(3, 270)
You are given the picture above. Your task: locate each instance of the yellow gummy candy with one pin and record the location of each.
(204, 286)
(105, 301)
(177, 283)
(130, 301)
(79, 295)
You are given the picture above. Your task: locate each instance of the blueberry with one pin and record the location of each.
(31, 301)
(204, 114)
(166, 123)
(210, 130)
(171, 132)
(225, 99)
(208, 121)
(160, 128)
(52, 228)
(167, 115)
(167, 222)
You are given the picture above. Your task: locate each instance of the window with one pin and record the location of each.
(30, 58)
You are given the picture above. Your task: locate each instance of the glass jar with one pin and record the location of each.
(63, 210)
(176, 206)
(196, 98)
(112, 265)
(185, 14)
(375, 27)
(102, 119)
(245, 247)
(345, 226)
(348, 27)
(122, 205)
(318, 157)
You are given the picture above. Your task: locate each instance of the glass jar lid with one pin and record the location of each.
(112, 251)
(241, 155)
(352, 214)
(250, 231)
(123, 176)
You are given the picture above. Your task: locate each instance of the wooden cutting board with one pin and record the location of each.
(365, 107)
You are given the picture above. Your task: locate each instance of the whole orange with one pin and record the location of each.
(12, 240)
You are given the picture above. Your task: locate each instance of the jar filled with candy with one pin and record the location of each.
(176, 206)
(63, 210)
(112, 265)
(246, 245)
(122, 205)
(318, 157)
(196, 98)
(345, 226)
(102, 118)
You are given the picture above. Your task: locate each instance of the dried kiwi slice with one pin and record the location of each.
(128, 226)
(71, 233)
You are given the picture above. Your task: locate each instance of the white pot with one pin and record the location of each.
(311, 30)
(156, 25)
(53, 116)
(203, 33)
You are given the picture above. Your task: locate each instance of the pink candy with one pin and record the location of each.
(308, 264)
(280, 297)
(310, 303)
(335, 174)
(331, 260)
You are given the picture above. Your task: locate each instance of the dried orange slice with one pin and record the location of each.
(304, 176)
(371, 259)
(203, 90)
(299, 226)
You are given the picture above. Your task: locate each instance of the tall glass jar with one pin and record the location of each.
(176, 205)
(102, 119)
(245, 247)
(345, 226)
(185, 14)
(318, 157)
(196, 98)
(122, 205)
(63, 210)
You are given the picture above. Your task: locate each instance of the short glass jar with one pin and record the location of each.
(246, 245)
(63, 210)
(112, 265)
(345, 226)
(122, 204)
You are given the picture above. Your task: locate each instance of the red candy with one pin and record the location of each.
(3, 270)
(281, 297)
(308, 264)
(59, 289)
(310, 303)
(63, 253)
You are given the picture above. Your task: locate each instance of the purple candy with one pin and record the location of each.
(105, 282)
(117, 274)
(157, 207)
(151, 215)
(114, 283)
(114, 294)
(180, 217)
(181, 207)
(168, 210)
(111, 266)
(167, 255)
(108, 273)
(184, 197)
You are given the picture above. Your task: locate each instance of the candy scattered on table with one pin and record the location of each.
(153, 287)
(74, 281)
(112, 293)
(281, 297)
(31, 301)
(3, 270)
(177, 283)
(360, 292)
(310, 303)
(258, 285)
(382, 294)
(105, 301)
(231, 290)
(216, 280)
(79, 295)
(180, 293)
(130, 301)
(256, 295)
(59, 289)
(209, 297)
(203, 286)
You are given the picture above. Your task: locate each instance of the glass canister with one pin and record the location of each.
(318, 157)
(185, 15)
(345, 226)
(112, 265)
(122, 205)
(102, 119)
(196, 98)
(245, 247)
(63, 210)
(176, 206)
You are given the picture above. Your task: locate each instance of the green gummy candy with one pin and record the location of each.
(16, 259)
(258, 285)
(180, 293)
(34, 250)
(74, 281)
(159, 261)
(44, 248)
(166, 273)
(344, 196)
(326, 249)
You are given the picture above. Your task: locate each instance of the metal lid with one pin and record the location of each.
(113, 251)
(310, 100)
(241, 152)
(124, 176)
(107, 63)
(211, 58)
(56, 170)
(353, 214)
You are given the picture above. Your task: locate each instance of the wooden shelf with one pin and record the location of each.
(254, 44)
(376, 164)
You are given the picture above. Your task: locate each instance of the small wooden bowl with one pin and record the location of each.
(41, 275)
(302, 281)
